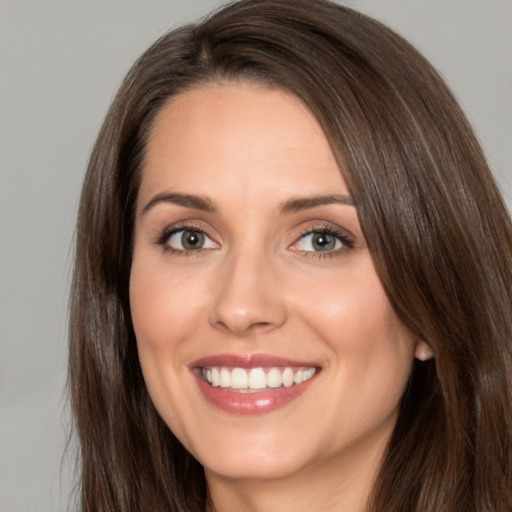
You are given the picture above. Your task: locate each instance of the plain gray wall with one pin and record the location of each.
(60, 63)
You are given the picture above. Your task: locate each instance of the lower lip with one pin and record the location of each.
(259, 402)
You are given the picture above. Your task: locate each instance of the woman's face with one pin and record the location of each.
(265, 337)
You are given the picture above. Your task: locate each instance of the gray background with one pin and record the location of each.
(60, 63)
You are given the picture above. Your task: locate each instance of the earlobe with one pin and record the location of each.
(423, 351)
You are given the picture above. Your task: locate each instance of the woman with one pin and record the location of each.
(293, 278)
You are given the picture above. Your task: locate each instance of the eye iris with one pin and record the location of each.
(192, 240)
(323, 242)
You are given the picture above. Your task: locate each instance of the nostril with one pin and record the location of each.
(259, 325)
(241, 327)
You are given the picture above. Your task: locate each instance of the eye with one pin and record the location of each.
(189, 240)
(321, 240)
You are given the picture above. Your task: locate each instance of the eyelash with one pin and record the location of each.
(345, 239)
(168, 232)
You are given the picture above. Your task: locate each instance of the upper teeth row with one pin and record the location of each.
(256, 378)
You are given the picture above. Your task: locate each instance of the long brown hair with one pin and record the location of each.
(435, 223)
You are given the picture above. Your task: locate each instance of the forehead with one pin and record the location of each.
(244, 135)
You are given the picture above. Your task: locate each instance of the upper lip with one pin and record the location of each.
(249, 361)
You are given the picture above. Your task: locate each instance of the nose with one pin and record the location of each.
(249, 296)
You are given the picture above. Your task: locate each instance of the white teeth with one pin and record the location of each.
(274, 379)
(256, 378)
(307, 374)
(215, 377)
(239, 378)
(225, 378)
(288, 378)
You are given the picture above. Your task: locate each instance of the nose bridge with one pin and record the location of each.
(248, 295)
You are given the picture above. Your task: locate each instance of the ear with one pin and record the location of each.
(423, 351)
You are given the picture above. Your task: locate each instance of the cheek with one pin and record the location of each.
(164, 305)
(372, 355)
(164, 308)
(351, 309)
(371, 349)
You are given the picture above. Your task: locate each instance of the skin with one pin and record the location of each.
(259, 286)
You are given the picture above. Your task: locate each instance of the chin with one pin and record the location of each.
(264, 456)
(249, 467)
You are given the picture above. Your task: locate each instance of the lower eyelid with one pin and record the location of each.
(321, 255)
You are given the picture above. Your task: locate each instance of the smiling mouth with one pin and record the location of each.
(252, 384)
(253, 380)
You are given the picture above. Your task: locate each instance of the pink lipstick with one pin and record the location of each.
(252, 384)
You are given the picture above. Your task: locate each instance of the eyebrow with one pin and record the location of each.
(299, 204)
(293, 205)
(186, 200)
